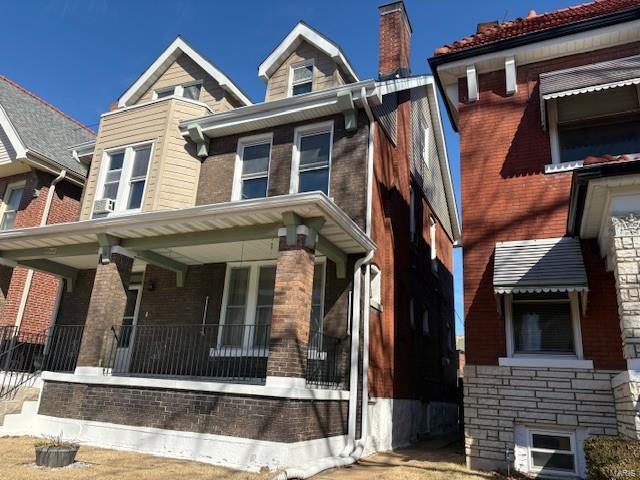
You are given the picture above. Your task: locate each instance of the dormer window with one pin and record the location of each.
(301, 78)
(187, 90)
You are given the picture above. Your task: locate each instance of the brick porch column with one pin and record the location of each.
(106, 308)
(291, 304)
(624, 257)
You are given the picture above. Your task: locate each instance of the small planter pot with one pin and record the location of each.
(55, 457)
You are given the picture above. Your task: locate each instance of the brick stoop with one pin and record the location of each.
(14, 403)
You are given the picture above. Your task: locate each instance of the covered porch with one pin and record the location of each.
(250, 292)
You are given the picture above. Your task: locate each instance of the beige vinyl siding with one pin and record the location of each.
(325, 72)
(158, 123)
(7, 153)
(185, 70)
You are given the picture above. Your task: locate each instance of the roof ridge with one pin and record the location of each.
(44, 102)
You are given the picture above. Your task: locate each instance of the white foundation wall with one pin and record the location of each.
(398, 423)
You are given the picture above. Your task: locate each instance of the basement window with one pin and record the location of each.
(552, 452)
(301, 78)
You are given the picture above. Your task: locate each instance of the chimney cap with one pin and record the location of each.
(396, 6)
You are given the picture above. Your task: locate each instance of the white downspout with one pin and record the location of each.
(354, 449)
(43, 222)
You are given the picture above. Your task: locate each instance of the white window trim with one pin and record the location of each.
(7, 194)
(315, 353)
(554, 139)
(236, 191)
(376, 287)
(315, 128)
(425, 146)
(293, 66)
(123, 190)
(433, 225)
(554, 433)
(555, 359)
(178, 90)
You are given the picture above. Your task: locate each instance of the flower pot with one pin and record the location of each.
(55, 457)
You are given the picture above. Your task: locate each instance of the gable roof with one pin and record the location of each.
(35, 126)
(493, 32)
(178, 47)
(303, 32)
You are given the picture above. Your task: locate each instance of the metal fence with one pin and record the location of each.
(327, 361)
(233, 353)
(24, 355)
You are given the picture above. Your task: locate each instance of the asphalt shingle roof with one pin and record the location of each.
(42, 127)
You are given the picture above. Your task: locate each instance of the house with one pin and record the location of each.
(41, 181)
(548, 112)
(257, 284)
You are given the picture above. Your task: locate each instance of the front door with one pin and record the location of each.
(127, 333)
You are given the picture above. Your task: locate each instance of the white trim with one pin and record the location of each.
(7, 194)
(153, 101)
(472, 84)
(556, 433)
(97, 376)
(546, 362)
(12, 135)
(172, 52)
(178, 90)
(425, 146)
(511, 80)
(311, 62)
(232, 452)
(592, 88)
(562, 167)
(308, 130)
(289, 44)
(253, 140)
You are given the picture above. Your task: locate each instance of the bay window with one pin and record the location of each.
(251, 173)
(311, 164)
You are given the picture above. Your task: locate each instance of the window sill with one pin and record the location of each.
(545, 362)
(376, 305)
(562, 167)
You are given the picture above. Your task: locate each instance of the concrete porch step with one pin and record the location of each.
(14, 404)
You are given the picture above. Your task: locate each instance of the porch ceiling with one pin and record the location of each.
(173, 239)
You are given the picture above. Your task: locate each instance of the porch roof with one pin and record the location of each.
(175, 239)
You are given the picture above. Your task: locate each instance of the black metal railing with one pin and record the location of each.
(25, 355)
(233, 353)
(327, 361)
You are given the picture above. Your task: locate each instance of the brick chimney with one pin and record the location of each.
(395, 41)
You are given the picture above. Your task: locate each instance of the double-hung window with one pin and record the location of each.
(552, 452)
(311, 165)
(124, 177)
(12, 198)
(301, 78)
(251, 175)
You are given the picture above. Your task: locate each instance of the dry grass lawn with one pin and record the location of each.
(434, 460)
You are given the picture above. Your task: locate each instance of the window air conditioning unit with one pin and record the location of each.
(104, 205)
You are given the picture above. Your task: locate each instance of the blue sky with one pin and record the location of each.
(81, 55)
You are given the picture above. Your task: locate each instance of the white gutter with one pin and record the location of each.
(43, 221)
(354, 449)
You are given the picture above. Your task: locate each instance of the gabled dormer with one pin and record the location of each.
(183, 72)
(305, 61)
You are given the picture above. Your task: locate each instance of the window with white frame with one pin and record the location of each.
(301, 78)
(311, 164)
(317, 298)
(425, 146)
(433, 244)
(376, 287)
(11, 205)
(552, 452)
(543, 324)
(595, 124)
(188, 90)
(251, 176)
(124, 176)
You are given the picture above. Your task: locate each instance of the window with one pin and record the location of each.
(425, 146)
(317, 299)
(412, 313)
(12, 198)
(311, 163)
(124, 177)
(301, 78)
(412, 215)
(251, 176)
(433, 244)
(376, 287)
(544, 324)
(425, 321)
(595, 124)
(187, 90)
(552, 452)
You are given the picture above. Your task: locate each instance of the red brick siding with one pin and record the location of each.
(505, 193)
(394, 42)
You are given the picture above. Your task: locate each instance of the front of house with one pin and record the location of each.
(257, 284)
(548, 111)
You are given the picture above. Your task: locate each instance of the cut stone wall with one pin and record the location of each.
(497, 399)
(626, 395)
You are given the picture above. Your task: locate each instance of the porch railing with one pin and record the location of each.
(327, 361)
(24, 355)
(233, 353)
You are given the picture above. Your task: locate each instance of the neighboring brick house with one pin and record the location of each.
(40, 183)
(259, 284)
(548, 112)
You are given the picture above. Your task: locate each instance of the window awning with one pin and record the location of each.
(589, 78)
(535, 266)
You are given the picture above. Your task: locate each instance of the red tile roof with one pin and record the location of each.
(611, 158)
(494, 31)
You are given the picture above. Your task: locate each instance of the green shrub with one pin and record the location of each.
(612, 458)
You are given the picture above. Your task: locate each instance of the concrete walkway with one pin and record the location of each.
(439, 458)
